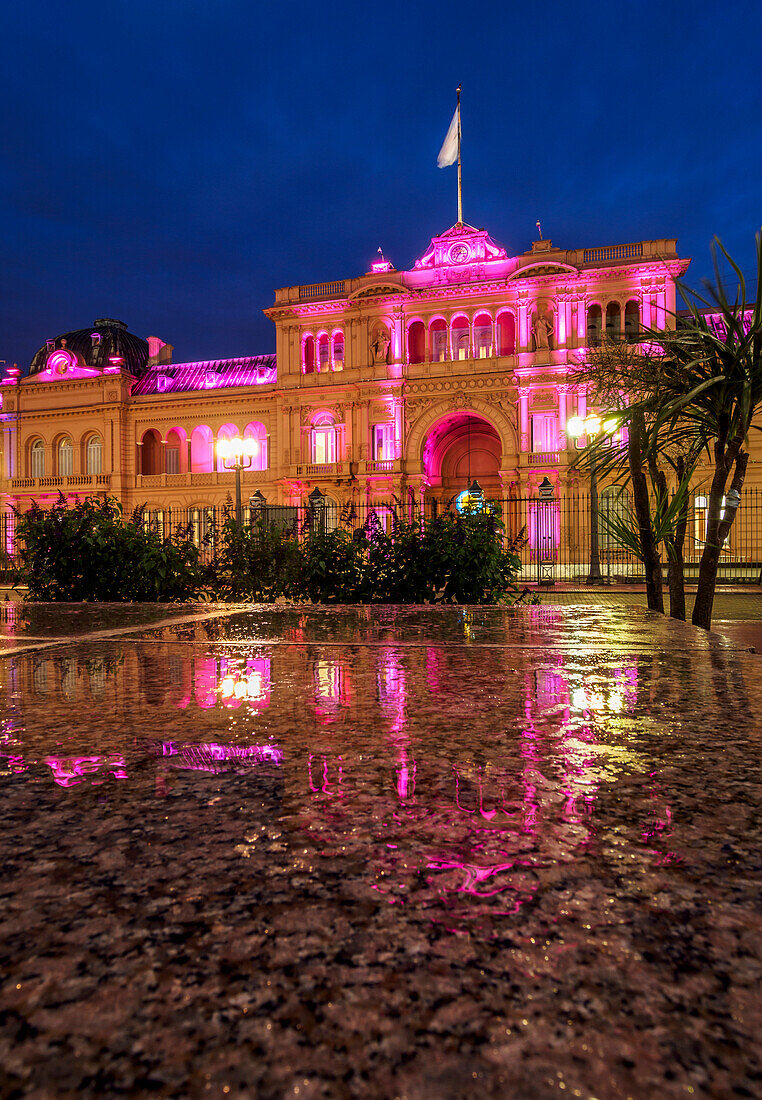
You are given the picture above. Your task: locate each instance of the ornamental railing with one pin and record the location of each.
(321, 290)
(612, 252)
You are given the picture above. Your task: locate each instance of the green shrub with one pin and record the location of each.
(452, 559)
(89, 551)
(258, 563)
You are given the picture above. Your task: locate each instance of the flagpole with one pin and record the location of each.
(460, 196)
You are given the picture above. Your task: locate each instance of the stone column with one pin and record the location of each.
(562, 396)
(582, 322)
(524, 392)
(523, 333)
(581, 402)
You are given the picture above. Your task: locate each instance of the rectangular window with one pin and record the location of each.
(544, 433)
(383, 442)
(173, 460)
(483, 341)
(338, 355)
(461, 343)
(324, 355)
(323, 445)
(66, 461)
(438, 346)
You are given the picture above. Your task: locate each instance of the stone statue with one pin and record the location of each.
(380, 346)
(542, 326)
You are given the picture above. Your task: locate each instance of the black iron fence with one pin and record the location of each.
(552, 536)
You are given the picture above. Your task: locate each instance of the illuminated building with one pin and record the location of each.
(405, 384)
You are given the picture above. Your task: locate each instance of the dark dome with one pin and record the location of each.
(106, 339)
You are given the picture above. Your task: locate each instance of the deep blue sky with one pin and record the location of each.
(171, 162)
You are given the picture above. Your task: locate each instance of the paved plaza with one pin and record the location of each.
(433, 853)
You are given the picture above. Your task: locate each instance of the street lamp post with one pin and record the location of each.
(237, 454)
(578, 429)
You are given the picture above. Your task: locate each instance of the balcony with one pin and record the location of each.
(382, 466)
(321, 469)
(187, 480)
(544, 458)
(97, 482)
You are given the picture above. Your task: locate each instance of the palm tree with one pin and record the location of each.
(712, 379)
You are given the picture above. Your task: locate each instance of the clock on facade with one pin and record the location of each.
(459, 253)
(61, 361)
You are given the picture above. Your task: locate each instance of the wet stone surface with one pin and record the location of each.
(431, 854)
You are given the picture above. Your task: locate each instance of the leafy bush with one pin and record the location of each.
(90, 552)
(452, 559)
(258, 563)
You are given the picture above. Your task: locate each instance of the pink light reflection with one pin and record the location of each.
(68, 770)
(212, 756)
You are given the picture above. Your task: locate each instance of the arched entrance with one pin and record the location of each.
(458, 448)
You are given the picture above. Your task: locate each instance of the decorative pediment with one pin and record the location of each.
(459, 246)
(377, 290)
(534, 271)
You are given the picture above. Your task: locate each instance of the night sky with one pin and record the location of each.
(171, 163)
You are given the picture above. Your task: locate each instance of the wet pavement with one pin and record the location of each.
(426, 853)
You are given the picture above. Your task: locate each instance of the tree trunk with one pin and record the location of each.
(676, 573)
(648, 545)
(718, 530)
(641, 505)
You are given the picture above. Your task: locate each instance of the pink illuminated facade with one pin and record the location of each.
(403, 384)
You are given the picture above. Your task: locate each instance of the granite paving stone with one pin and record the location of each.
(378, 852)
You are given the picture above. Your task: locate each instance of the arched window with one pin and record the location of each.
(631, 322)
(202, 450)
(482, 336)
(324, 353)
(258, 433)
(323, 441)
(37, 459)
(416, 342)
(94, 455)
(614, 322)
(65, 457)
(614, 508)
(150, 453)
(438, 341)
(338, 350)
(308, 355)
(176, 452)
(461, 338)
(506, 334)
(226, 431)
(594, 322)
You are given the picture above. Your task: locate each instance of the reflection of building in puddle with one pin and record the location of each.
(230, 682)
(70, 770)
(11, 746)
(322, 777)
(392, 698)
(215, 757)
(332, 687)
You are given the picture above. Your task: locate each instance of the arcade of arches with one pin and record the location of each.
(458, 448)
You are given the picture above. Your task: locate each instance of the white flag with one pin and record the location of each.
(448, 154)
